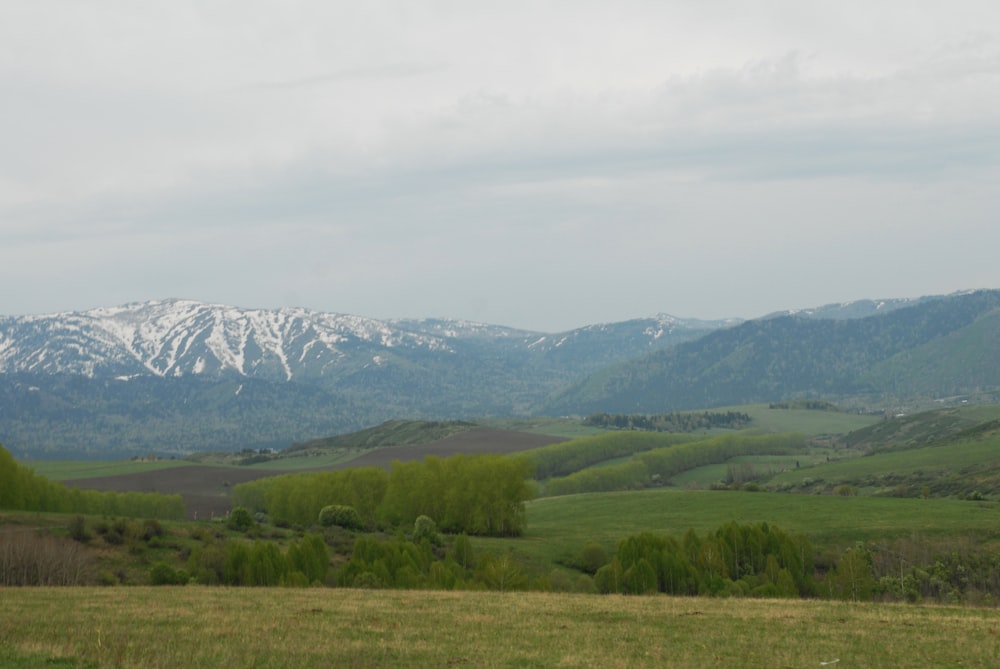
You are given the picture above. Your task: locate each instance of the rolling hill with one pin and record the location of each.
(932, 349)
(178, 376)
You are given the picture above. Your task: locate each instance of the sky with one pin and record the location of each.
(540, 165)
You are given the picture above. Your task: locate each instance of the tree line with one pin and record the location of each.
(660, 464)
(21, 489)
(479, 495)
(564, 458)
(670, 422)
(736, 560)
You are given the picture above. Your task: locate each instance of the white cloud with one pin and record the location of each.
(415, 158)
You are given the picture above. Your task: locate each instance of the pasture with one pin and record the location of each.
(559, 526)
(147, 628)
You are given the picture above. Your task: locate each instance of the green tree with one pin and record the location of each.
(341, 516)
(424, 528)
(461, 552)
(500, 572)
(593, 557)
(853, 579)
(163, 574)
(240, 519)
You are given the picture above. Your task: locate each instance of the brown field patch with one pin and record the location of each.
(206, 489)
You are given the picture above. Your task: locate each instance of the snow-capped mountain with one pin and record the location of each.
(179, 375)
(184, 337)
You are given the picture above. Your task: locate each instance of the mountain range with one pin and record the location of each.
(176, 376)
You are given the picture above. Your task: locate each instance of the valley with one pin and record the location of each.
(821, 496)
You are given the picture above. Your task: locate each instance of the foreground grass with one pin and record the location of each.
(263, 628)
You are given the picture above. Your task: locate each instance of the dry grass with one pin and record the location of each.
(215, 627)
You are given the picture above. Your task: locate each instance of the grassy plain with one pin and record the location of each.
(62, 470)
(806, 421)
(558, 527)
(931, 462)
(268, 628)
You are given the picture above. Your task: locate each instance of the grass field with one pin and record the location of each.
(266, 628)
(954, 468)
(559, 526)
(61, 470)
(806, 421)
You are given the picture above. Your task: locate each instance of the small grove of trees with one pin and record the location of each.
(480, 495)
(671, 422)
(736, 560)
(405, 564)
(31, 558)
(259, 563)
(297, 499)
(23, 490)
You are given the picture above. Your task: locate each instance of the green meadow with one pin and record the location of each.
(147, 628)
(559, 526)
(916, 494)
(64, 470)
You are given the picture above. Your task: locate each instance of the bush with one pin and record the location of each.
(424, 528)
(152, 528)
(40, 559)
(77, 529)
(593, 557)
(240, 519)
(163, 574)
(341, 516)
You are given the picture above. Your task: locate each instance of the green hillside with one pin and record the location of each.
(935, 349)
(389, 433)
(960, 362)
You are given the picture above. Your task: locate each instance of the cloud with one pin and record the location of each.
(395, 158)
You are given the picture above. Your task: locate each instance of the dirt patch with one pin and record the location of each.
(206, 489)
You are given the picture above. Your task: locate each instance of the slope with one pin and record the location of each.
(787, 357)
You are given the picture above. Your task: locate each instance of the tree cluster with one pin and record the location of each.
(260, 563)
(481, 495)
(736, 560)
(30, 558)
(670, 422)
(23, 490)
(566, 457)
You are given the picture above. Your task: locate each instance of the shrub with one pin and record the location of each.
(341, 516)
(593, 557)
(40, 559)
(163, 574)
(77, 529)
(152, 528)
(240, 519)
(424, 528)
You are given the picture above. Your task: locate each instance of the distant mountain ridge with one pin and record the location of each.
(802, 355)
(182, 337)
(179, 375)
(99, 379)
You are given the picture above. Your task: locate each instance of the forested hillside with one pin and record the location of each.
(181, 377)
(882, 357)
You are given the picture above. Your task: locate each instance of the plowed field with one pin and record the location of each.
(206, 489)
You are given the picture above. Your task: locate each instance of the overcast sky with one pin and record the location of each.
(542, 165)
